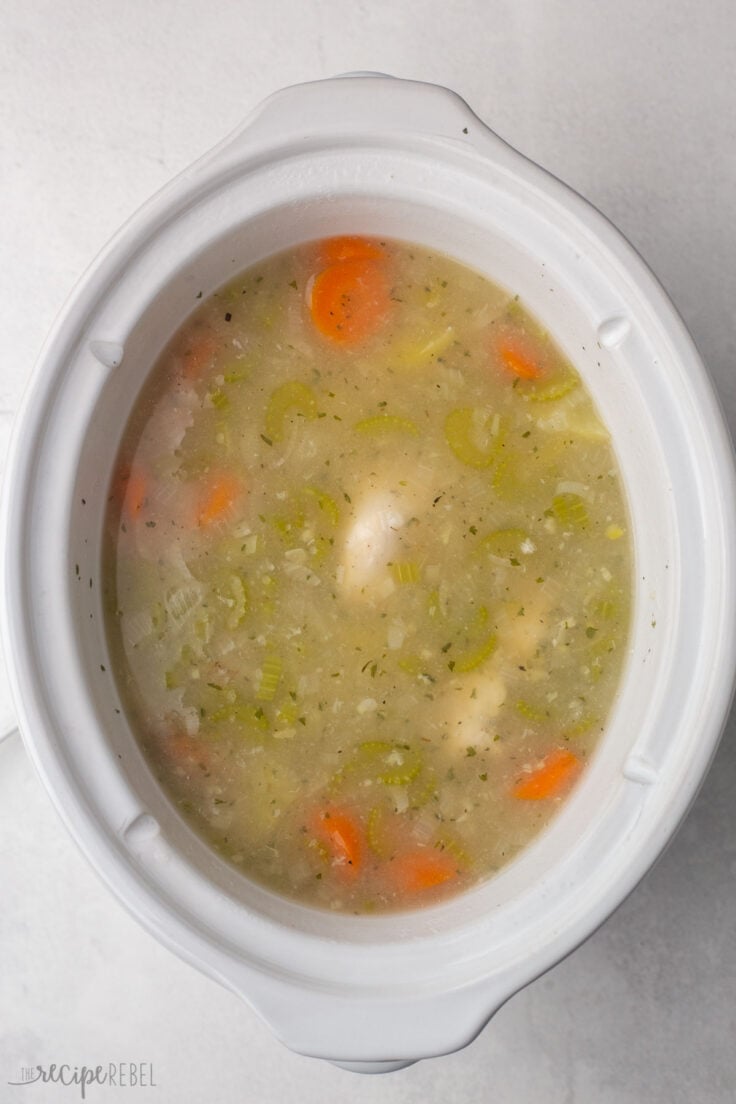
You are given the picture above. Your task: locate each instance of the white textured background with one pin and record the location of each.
(634, 104)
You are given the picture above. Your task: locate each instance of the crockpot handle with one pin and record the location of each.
(371, 1032)
(366, 104)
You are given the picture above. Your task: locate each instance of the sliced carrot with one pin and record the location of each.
(341, 833)
(333, 250)
(416, 871)
(518, 358)
(130, 490)
(351, 300)
(556, 772)
(185, 750)
(217, 498)
(198, 354)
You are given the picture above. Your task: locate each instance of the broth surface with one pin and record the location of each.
(368, 574)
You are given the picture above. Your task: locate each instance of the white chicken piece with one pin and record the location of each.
(368, 546)
(524, 623)
(172, 417)
(468, 708)
(470, 705)
(374, 535)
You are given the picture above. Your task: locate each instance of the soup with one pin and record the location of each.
(368, 574)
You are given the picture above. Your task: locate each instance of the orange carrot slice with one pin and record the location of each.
(425, 868)
(556, 772)
(131, 490)
(334, 250)
(351, 300)
(518, 358)
(217, 498)
(185, 751)
(341, 833)
(198, 355)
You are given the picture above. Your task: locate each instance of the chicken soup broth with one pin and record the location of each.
(368, 574)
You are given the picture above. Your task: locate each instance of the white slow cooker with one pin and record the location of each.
(374, 155)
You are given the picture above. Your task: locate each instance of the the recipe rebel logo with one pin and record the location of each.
(121, 1075)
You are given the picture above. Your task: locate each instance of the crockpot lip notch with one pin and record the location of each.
(240, 153)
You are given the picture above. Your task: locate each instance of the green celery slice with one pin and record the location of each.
(474, 657)
(381, 424)
(405, 572)
(506, 544)
(290, 396)
(270, 678)
(570, 509)
(476, 437)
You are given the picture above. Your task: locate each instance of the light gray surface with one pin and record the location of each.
(634, 104)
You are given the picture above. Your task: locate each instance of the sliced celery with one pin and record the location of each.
(236, 372)
(506, 480)
(434, 604)
(240, 715)
(452, 846)
(406, 572)
(270, 678)
(401, 773)
(371, 749)
(381, 761)
(293, 396)
(320, 549)
(531, 712)
(549, 389)
(601, 647)
(381, 424)
(475, 436)
(287, 714)
(423, 789)
(327, 505)
(472, 658)
(508, 544)
(570, 509)
(310, 506)
(288, 526)
(233, 594)
(376, 834)
(219, 399)
(419, 351)
(606, 609)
